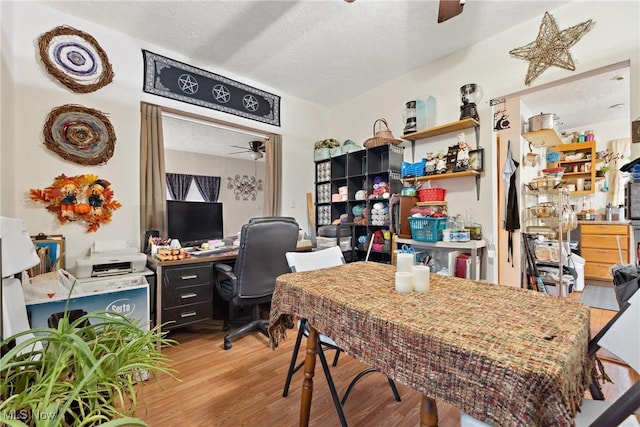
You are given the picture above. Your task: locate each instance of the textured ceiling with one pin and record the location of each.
(329, 51)
(326, 52)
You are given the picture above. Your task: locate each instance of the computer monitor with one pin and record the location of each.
(194, 223)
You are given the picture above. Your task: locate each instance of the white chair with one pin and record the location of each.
(622, 339)
(306, 261)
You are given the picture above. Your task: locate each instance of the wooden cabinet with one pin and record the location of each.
(599, 248)
(349, 173)
(578, 159)
(187, 294)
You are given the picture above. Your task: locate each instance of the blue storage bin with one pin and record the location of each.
(413, 169)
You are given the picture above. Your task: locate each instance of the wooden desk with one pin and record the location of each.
(506, 356)
(184, 288)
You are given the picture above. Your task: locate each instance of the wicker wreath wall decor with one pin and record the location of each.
(75, 59)
(79, 134)
(79, 198)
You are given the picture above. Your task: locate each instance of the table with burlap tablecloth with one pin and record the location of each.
(506, 356)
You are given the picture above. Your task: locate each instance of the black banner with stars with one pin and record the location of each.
(176, 80)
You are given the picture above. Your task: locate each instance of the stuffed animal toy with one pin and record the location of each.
(441, 163)
(462, 159)
(430, 165)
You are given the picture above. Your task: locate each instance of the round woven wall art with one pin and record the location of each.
(79, 134)
(75, 59)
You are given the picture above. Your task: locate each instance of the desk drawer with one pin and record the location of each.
(610, 256)
(183, 295)
(598, 270)
(604, 241)
(622, 230)
(176, 277)
(186, 314)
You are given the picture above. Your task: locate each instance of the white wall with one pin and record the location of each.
(26, 163)
(614, 38)
(236, 212)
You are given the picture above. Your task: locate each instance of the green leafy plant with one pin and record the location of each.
(85, 373)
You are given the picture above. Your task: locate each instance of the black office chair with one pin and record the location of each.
(261, 258)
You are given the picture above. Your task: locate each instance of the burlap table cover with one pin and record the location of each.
(503, 355)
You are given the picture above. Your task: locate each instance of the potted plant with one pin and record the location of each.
(85, 372)
(602, 170)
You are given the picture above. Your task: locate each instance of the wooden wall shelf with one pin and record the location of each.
(442, 129)
(458, 126)
(443, 176)
(542, 138)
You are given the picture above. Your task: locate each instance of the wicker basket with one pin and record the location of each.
(382, 136)
(432, 194)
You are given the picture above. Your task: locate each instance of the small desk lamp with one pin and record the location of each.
(17, 254)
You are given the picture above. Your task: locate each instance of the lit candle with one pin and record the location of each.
(421, 278)
(404, 281)
(404, 262)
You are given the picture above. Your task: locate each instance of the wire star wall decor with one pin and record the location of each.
(245, 186)
(551, 47)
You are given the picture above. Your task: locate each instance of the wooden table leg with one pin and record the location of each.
(428, 412)
(307, 384)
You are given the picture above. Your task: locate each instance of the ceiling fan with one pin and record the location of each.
(256, 148)
(449, 8)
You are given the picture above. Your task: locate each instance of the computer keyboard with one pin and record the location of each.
(207, 252)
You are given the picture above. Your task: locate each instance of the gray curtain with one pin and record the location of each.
(178, 185)
(273, 177)
(152, 182)
(208, 186)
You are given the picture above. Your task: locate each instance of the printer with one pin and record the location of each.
(109, 259)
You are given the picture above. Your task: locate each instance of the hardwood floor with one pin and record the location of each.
(243, 386)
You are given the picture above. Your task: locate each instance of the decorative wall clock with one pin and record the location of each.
(79, 198)
(75, 59)
(79, 134)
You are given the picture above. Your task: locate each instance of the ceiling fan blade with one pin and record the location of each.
(237, 146)
(240, 152)
(449, 8)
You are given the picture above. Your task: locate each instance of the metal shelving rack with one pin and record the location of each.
(551, 226)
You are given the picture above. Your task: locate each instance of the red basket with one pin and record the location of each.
(431, 194)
